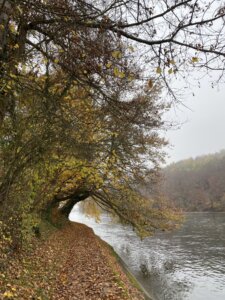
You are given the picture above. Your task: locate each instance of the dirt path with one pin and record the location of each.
(89, 271)
(72, 264)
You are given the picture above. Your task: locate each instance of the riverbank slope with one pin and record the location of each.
(73, 263)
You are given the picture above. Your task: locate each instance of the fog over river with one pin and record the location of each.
(186, 264)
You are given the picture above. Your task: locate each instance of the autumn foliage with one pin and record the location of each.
(81, 107)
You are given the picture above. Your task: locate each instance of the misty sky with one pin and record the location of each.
(203, 130)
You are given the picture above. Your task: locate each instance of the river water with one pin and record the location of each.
(186, 264)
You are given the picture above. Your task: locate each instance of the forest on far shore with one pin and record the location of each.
(197, 184)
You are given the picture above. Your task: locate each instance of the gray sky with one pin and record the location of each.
(203, 128)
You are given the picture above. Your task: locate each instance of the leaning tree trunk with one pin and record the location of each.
(58, 210)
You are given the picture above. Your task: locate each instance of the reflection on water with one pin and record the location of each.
(186, 264)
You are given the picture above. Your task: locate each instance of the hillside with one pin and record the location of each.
(197, 184)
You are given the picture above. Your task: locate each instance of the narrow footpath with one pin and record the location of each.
(89, 270)
(72, 263)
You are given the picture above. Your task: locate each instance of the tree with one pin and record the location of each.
(197, 184)
(79, 87)
(170, 37)
(112, 172)
(51, 161)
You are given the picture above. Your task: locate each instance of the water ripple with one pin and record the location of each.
(188, 264)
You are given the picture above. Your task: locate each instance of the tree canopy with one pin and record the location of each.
(81, 106)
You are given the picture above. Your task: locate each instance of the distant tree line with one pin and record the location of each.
(197, 184)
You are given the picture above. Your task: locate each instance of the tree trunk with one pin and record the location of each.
(5, 7)
(57, 211)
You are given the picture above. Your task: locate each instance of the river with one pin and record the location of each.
(186, 264)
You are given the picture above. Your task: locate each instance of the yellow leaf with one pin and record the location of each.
(56, 61)
(8, 294)
(13, 75)
(12, 28)
(172, 62)
(119, 73)
(158, 70)
(194, 59)
(150, 83)
(122, 75)
(170, 71)
(116, 54)
(116, 71)
(109, 64)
